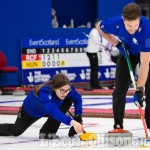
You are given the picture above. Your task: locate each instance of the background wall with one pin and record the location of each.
(21, 18)
(81, 11)
(110, 8)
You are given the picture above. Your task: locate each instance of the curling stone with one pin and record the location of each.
(88, 136)
(118, 137)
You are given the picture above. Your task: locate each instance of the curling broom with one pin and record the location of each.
(134, 86)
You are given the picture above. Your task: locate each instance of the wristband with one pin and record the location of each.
(141, 89)
(119, 44)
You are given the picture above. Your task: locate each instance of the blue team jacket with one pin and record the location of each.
(139, 41)
(48, 103)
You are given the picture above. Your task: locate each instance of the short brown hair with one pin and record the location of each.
(57, 81)
(131, 12)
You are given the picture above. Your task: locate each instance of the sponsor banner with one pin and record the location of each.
(77, 74)
(53, 42)
(41, 59)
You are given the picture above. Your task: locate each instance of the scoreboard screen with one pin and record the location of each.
(52, 57)
(44, 57)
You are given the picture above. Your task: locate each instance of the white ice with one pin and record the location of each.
(29, 140)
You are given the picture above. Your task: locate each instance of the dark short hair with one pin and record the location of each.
(131, 12)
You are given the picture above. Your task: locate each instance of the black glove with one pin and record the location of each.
(122, 48)
(138, 96)
(72, 131)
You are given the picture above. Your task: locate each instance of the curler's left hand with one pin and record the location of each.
(138, 96)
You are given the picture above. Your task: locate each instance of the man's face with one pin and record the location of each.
(131, 26)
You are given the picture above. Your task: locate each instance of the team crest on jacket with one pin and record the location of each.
(140, 29)
(49, 96)
(102, 26)
(134, 40)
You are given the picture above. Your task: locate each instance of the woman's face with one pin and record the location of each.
(63, 91)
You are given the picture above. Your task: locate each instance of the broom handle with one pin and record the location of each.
(73, 117)
(70, 114)
(143, 121)
(134, 86)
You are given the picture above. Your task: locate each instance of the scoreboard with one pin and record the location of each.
(51, 57)
(44, 57)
